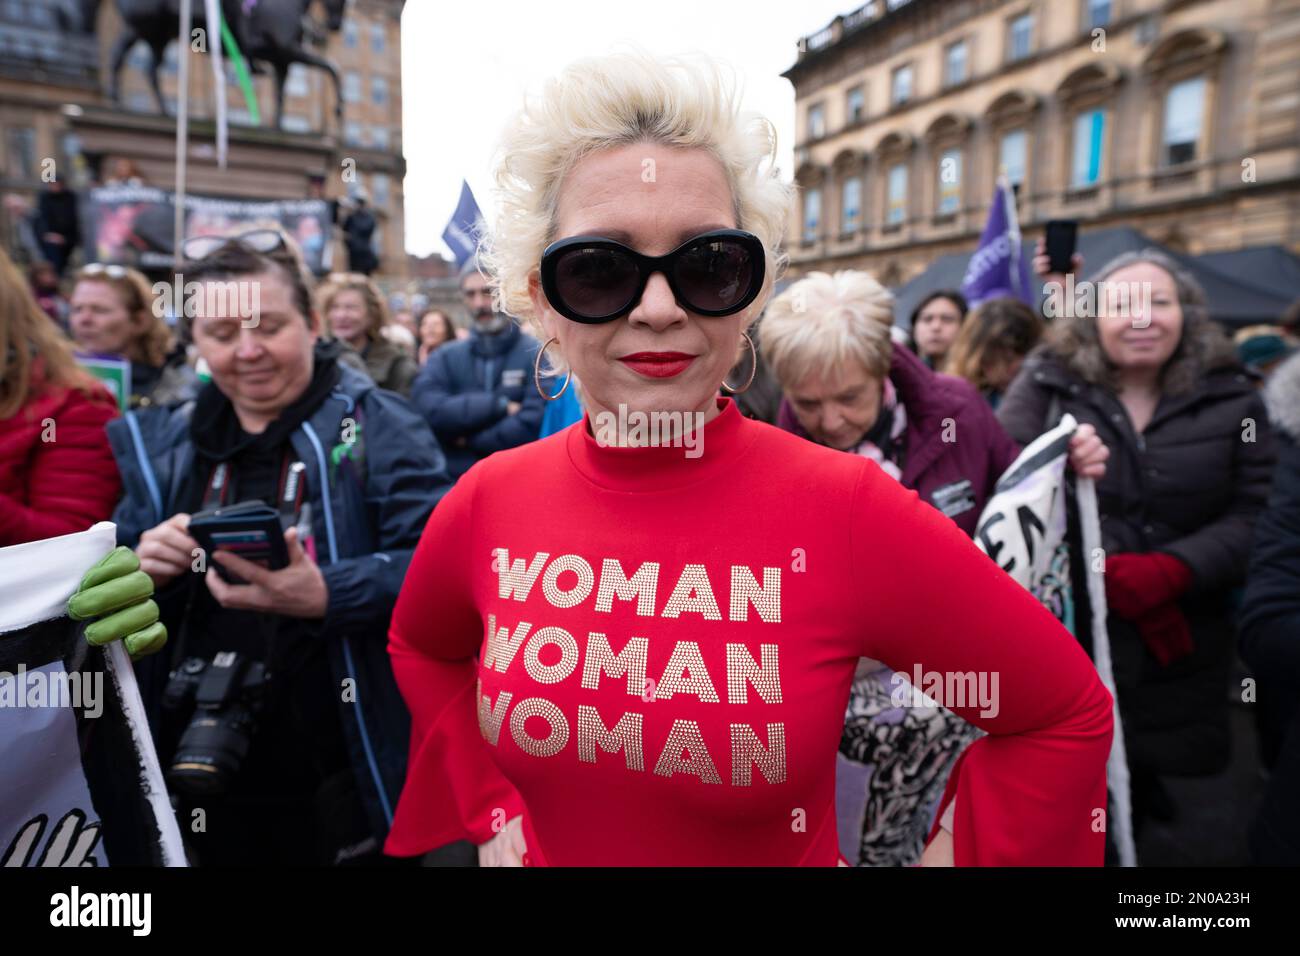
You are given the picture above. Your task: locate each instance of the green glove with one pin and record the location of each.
(117, 592)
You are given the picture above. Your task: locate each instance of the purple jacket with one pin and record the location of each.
(956, 476)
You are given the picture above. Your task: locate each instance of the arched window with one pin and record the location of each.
(1087, 98)
(1182, 70)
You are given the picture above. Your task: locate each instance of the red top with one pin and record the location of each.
(57, 473)
(665, 645)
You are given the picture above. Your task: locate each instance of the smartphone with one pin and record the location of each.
(250, 529)
(1060, 240)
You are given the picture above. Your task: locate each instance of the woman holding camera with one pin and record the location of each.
(352, 472)
(636, 649)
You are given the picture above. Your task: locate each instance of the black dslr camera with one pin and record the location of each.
(226, 695)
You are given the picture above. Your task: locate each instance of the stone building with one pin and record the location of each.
(1180, 118)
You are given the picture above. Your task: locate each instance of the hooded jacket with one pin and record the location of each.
(368, 508)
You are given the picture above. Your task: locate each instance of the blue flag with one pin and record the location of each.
(997, 269)
(464, 227)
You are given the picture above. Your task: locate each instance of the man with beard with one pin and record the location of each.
(478, 393)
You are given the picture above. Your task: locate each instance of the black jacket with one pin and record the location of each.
(1191, 485)
(57, 212)
(1270, 629)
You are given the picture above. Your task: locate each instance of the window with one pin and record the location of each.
(1097, 13)
(856, 104)
(851, 204)
(1012, 156)
(812, 214)
(351, 87)
(954, 64)
(296, 124)
(296, 82)
(379, 90)
(897, 211)
(1089, 130)
(816, 121)
(379, 137)
(352, 133)
(949, 182)
(21, 152)
(900, 90)
(170, 61)
(350, 33)
(378, 37)
(1184, 108)
(379, 184)
(1020, 37)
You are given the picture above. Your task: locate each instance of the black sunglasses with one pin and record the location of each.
(592, 280)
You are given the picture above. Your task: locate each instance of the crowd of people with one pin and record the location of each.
(427, 478)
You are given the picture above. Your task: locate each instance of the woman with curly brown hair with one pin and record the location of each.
(1191, 454)
(355, 313)
(992, 345)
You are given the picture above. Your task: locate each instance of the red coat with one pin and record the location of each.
(57, 474)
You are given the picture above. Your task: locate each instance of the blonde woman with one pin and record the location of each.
(636, 649)
(112, 314)
(356, 314)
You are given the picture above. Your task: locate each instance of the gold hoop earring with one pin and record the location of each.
(753, 369)
(537, 373)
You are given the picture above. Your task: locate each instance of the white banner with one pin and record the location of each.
(1024, 528)
(81, 784)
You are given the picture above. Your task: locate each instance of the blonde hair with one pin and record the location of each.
(602, 102)
(34, 353)
(376, 310)
(825, 321)
(152, 341)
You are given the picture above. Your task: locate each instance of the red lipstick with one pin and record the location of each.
(658, 364)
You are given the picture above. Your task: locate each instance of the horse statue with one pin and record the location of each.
(267, 31)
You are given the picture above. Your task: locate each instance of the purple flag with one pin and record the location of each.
(464, 228)
(997, 269)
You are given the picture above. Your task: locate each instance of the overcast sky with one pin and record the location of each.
(466, 65)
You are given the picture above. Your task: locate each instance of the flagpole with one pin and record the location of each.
(182, 131)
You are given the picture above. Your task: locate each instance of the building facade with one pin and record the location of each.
(54, 103)
(1177, 117)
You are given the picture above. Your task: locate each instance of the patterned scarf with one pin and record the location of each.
(884, 443)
